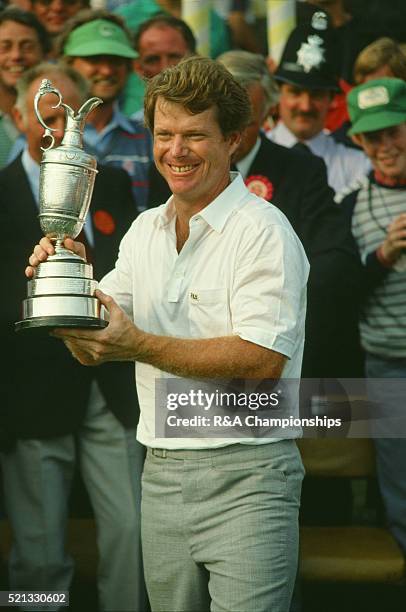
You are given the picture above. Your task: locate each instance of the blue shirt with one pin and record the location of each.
(123, 143)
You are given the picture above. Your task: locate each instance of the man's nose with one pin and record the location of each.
(15, 52)
(164, 62)
(305, 102)
(105, 67)
(385, 140)
(57, 5)
(179, 146)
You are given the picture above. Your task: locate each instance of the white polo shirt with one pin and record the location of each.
(242, 271)
(346, 167)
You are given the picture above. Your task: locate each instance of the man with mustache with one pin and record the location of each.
(308, 80)
(98, 45)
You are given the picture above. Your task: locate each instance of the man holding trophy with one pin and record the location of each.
(210, 285)
(60, 413)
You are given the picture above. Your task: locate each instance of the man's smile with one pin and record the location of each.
(183, 169)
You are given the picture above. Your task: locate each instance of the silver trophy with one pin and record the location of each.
(61, 294)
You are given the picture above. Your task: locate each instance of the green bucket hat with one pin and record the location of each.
(99, 37)
(377, 104)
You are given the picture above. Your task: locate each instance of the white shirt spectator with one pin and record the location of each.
(346, 167)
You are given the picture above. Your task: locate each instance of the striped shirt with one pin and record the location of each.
(383, 321)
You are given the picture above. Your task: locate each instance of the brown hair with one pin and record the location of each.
(169, 21)
(199, 83)
(382, 52)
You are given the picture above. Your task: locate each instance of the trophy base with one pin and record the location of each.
(45, 324)
(62, 294)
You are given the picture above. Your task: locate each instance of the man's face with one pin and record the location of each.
(19, 50)
(303, 111)
(387, 150)
(107, 74)
(258, 112)
(54, 13)
(191, 152)
(159, 47)
(28, 123)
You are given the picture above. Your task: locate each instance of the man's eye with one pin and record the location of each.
(28, 47)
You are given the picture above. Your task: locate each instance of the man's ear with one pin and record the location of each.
(356, 139)
(137, 67)
(235, 140)
(18, 119)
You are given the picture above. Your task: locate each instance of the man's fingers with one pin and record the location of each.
(76, 247)
(107, 301)
(47, 245)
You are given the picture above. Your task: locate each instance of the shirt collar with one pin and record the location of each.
(284, 136)
(120, 120)
(218, 211)
(31, 168)
(317, 144)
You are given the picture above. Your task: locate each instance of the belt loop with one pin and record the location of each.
(159, 452)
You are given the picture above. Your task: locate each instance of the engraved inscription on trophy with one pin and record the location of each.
(61, 294)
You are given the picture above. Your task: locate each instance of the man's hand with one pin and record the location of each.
(121, 340)
(45, 248)
(395, 242)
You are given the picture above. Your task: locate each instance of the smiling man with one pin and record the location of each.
(378, 219)
(53, 14)
(307, 75)
(160, 42)
(23, 43)
(98, 45)
(210, 285)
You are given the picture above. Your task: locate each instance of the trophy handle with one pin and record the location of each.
(46, 88)
(74, 123)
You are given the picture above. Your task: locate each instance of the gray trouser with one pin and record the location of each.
(37, 478)
(220, 528)
(388, 400)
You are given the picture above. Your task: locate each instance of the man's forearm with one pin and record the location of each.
(228, 356)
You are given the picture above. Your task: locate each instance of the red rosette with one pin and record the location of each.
(104, 222)
(260, 185)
